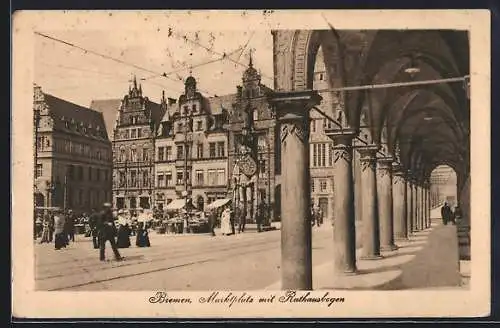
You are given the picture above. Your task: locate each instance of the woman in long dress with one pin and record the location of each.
(123, 240)
(45, 231)
(225, 222)
(142, 239)
(60, 239)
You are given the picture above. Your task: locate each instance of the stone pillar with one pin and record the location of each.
(344, 231)
(384, 203)
(422, 207)
(414, 216)
(370, 219)
(296, 251)
(409, 204)
(399, 200)
(429, 204)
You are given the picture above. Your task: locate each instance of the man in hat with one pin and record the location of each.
(106, 229)
(94, 231)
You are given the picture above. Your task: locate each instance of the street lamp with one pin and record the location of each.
(185, 225)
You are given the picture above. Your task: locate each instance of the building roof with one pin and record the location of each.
(64, 111)
(215, 105)
(109, 109)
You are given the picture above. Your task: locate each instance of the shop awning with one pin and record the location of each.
(218, 203)
(176, 204)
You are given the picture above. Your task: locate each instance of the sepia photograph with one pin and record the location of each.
(254, 163)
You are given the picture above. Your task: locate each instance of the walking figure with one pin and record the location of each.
(94, 231)
(107, 232)
(446, 213)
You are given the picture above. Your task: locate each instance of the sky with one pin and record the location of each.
(80, 76)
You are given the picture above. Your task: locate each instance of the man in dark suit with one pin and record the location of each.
(94, 218)
(107, 232)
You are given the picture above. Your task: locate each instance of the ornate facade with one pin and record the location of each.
(137, 121)
(252, 146)
(191, 149)
(73, 155)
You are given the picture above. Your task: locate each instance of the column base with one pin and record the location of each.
(346, 273)
(389, 248)
(371, 257)
(401, 238)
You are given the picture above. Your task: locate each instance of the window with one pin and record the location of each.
(127, 134)
(133, 178)
(194, 108)
(70, 171)
(161, 180)
(221, 177)
(39, 170)
(180, 152)
(145, 155)
(330, 155)
(199, 150)
(122, 155)
(161, 153)
(185, 110)
(139, 133)
(145, 178)
(80, 173)
(199, 177)
(168, 178)
(315, 155)
(99, 155)
(133, 133)
(90, 174)
(313, 125)
(323, 185)
(98, 174)
(212, 177)
(122, 179)
(180, 177)
(262, 168)
(199, 125)
(321, 76)
(255, 114)
(169, 153)
(323, 154)
(211, 148)
(312, 185)
(133, 155)
(220, 149)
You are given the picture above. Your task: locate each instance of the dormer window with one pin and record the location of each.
(194, 108)
(255, 114)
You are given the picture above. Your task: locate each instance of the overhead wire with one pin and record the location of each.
(85, 50)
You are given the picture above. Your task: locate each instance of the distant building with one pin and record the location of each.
(251, 109)
(136, 122)
(321, 152)
(191, 149)
(73, 155)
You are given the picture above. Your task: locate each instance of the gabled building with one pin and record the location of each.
(191, 149)
(73, 155)
(135, 128)
(252, 119)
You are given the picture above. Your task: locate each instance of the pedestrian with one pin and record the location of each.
(70, 226)
(107, 232)
(260, 216)
(94, 231)
(225, 222)
(240, 215)
(142, 239)
(123, 239)
(45, 231)
(446, 213)
(212, 221)
(313, 216)
(60, 238)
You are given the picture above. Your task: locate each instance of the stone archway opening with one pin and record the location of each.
(443, 186)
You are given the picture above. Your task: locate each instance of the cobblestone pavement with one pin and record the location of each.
(245, 261)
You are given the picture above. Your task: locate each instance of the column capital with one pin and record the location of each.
(397, 169)
(368, 157)
(341, 136)
(294, 105)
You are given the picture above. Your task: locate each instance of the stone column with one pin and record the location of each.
(399, 200)
(409, 203)
(384, 203)
(370, 219)
(414, 216)
(296, 251)
(422, 207)
(429, 204)
(344, 231)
